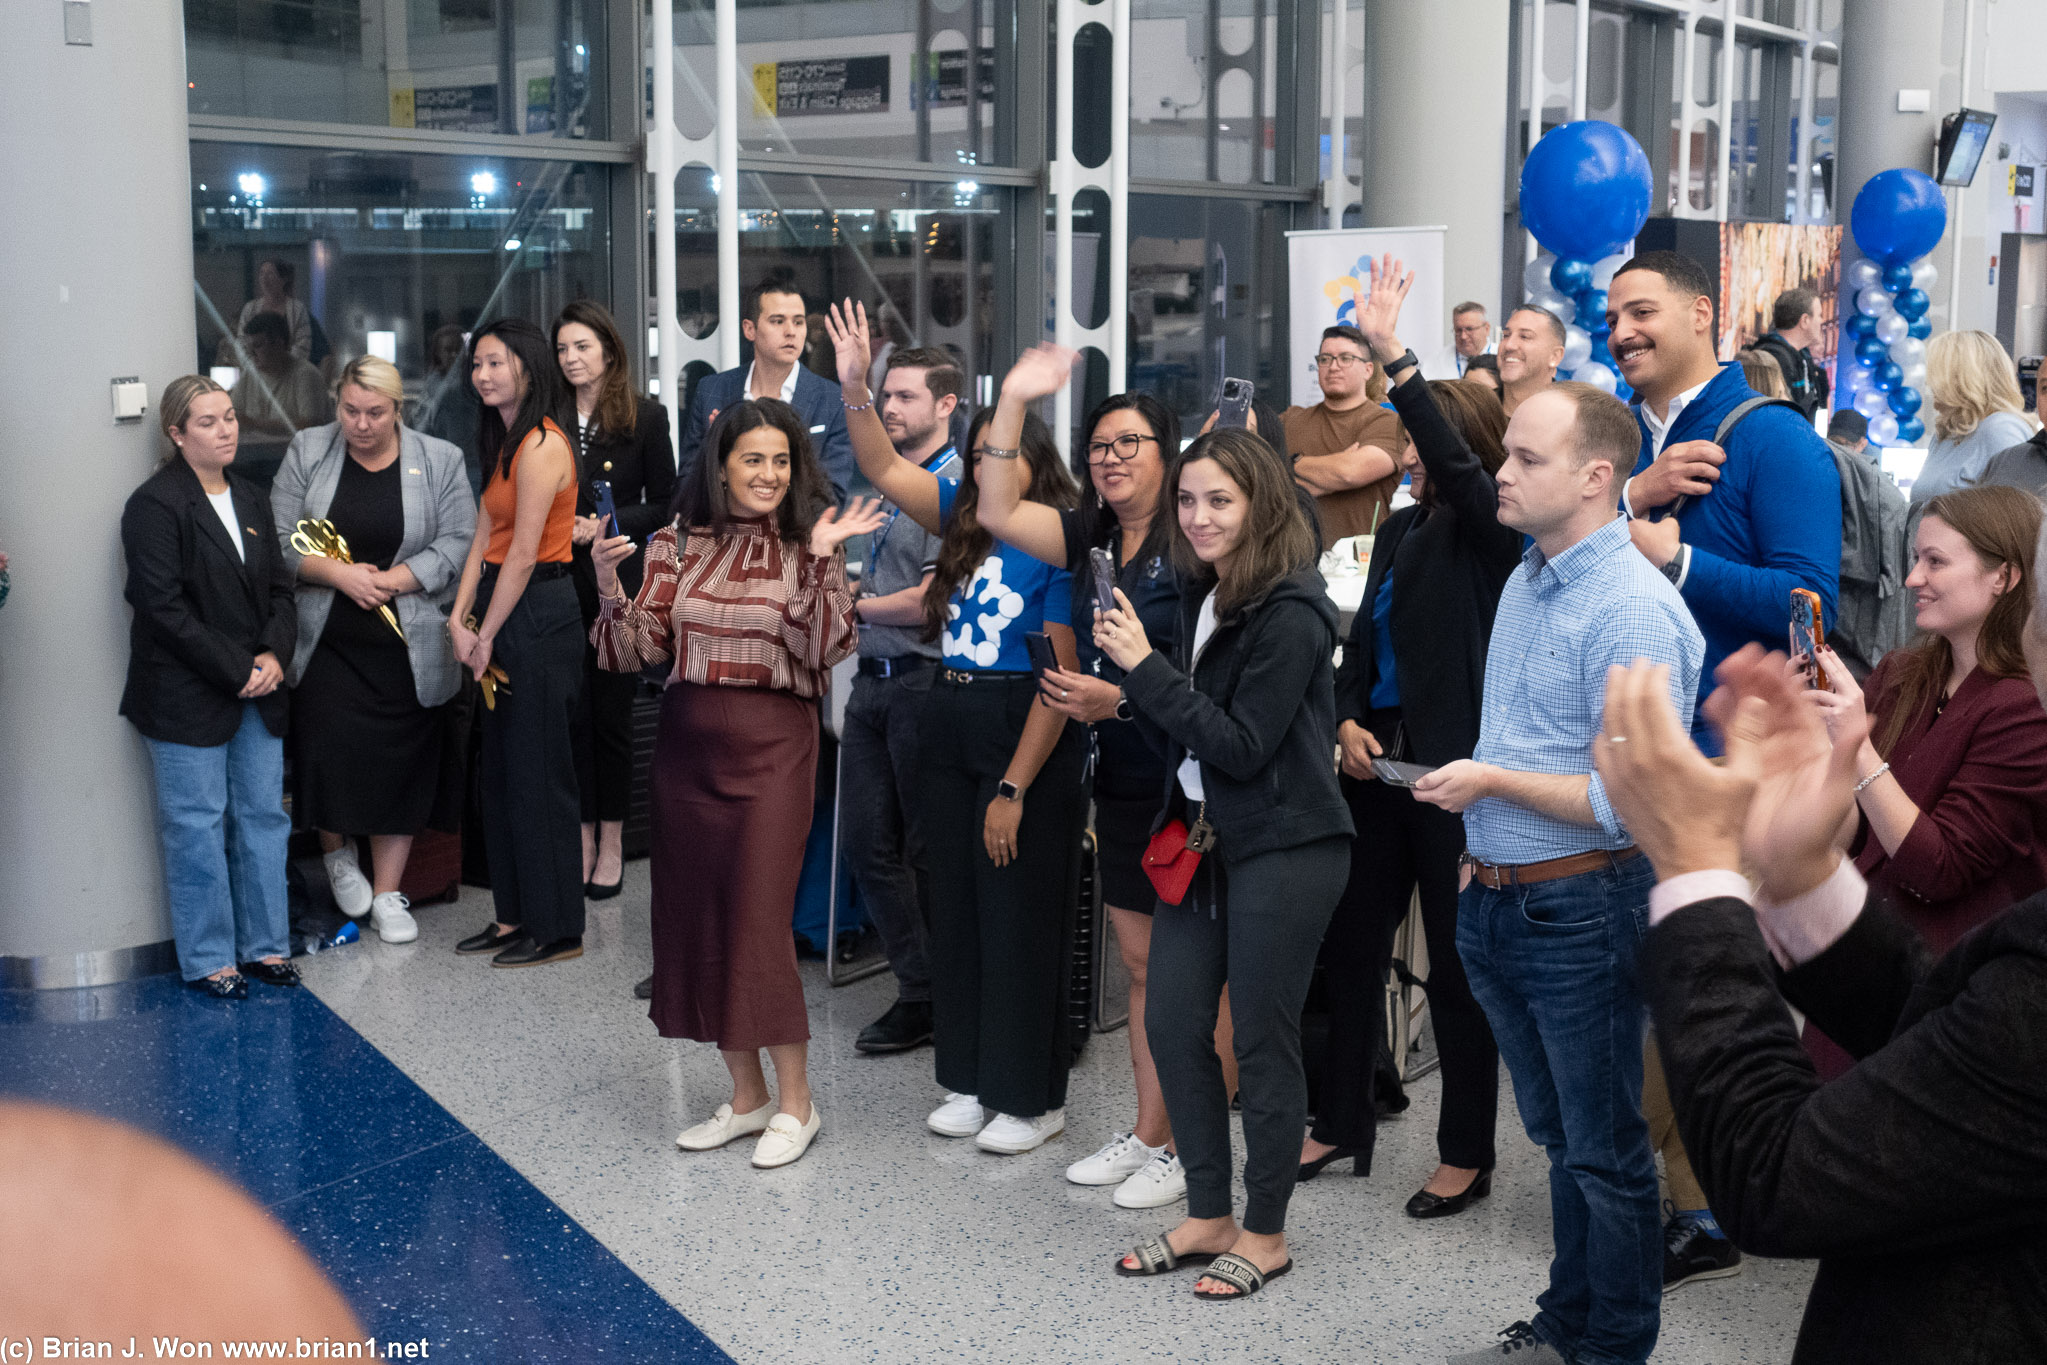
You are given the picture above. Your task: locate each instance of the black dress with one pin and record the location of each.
(367, 758)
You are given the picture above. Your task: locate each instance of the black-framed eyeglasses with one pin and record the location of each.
(1122, 450)
(1339, 361)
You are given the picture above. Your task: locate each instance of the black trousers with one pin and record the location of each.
(1402, 844)
(1001, 937)
(604, 740)
(1256, 924)
(881, 822)
(532, 830)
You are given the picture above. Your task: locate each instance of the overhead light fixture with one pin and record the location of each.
(511, 243)
(483, 182)
(251, 183)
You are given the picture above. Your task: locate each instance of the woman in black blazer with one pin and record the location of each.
(622, 439)
(1413, 671)
(214, 625)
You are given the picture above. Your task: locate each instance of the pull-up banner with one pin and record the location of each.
(1322, 270)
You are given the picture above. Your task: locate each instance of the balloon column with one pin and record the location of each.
(1898, 217)
(1585, 192)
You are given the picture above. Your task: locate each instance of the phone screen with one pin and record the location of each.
(1105, 578)
(1397, 774)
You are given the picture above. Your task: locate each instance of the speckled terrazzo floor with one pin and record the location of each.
(890, 1244)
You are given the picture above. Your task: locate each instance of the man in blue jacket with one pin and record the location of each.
(776, 324)
(1736, 529)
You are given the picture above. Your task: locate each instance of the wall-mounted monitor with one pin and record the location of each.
(1963, 136)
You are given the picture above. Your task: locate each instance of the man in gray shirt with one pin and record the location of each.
(878, 747)
(2025, 464)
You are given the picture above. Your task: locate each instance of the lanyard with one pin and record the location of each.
(889, 522)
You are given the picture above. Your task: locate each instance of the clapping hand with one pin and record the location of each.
(835, 527)
(1119, 635)
(850, 344)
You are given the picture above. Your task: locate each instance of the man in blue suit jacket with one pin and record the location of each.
(777, 325)
(1735, 529)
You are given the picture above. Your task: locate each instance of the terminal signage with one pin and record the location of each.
(838, 85)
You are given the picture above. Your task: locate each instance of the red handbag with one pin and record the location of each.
(1172, 856)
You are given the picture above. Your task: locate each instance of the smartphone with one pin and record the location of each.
(600, 494)
(1235, 407)
(1104, 569)
(1806, 635)
(1397, 774)
(1039, 646)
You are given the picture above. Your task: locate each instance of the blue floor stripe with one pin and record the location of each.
(427, 1231)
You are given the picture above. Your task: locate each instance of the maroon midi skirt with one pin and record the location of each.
(733, 785)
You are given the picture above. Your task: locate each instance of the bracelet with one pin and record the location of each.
(1000, 453)
(856, 407)
(1881, 769)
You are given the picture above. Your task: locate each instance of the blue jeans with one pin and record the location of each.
(1553, 965)
(220, 815)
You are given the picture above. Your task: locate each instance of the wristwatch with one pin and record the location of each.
(1123, 711)
(1404, 361)
(1008, 790)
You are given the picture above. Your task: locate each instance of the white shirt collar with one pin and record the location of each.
(788, 385)
(1659, 430)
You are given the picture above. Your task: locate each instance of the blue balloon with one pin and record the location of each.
(1571, 275)
(1920, 328)
(1898, 278)
(1591, 308)
(1912, 304)
(1899, 216)
(1904, 400)
(1888, 377)
(1870, 351)
(1860, 325)
(1910, 429)
(1586, 190)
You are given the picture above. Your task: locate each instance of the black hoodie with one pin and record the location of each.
(1260, 715)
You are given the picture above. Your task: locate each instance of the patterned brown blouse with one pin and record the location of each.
(734, 606)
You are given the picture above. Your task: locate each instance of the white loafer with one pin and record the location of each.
(352, 891)
(391, 916)
(1162, 1181)
(960, 1116)
(1012, 1136)
(1119, 1158)
(786, 1139)
(724, 1126)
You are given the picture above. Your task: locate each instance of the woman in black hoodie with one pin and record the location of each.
(1246, 716)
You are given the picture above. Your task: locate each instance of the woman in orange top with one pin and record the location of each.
(517, 577)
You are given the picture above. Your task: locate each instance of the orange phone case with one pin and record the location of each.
(1805, 613)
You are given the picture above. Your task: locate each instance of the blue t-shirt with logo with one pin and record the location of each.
(1006, 598)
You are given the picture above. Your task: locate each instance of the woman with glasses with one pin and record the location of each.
(1342, 447)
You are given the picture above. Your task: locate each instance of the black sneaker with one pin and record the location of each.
(644, 990)
(906, 1025)
(1692, 1253)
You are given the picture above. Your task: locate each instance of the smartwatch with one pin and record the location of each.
(1008, 790)
(1406, 360)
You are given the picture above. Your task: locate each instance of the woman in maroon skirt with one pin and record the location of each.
(746, 593)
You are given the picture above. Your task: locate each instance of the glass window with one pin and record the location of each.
(398, 255)
(402, 63)
(1207, 286)
(904, 80)
(1204, 90)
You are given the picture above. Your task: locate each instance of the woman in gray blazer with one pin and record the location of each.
(375, 748)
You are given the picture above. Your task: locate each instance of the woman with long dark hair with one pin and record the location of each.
(1245, 710)
(621, 440)
(530, 628)
(1004, 793)
(745, 591)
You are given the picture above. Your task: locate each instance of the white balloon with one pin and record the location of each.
(1856, 378)
(1891, 328)
(1555, 303)
(1871, 404)
(1923, 274)
(1883, 429)
(1535, 275)
(1906, 350)
(1873, 301)
(1598, 376)
(1577, 347)
(1915, 374)
(1864, 273)
(1603, 269)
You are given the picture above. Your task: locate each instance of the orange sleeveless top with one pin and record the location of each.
(501, 500)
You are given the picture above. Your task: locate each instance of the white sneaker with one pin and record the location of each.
(786, 1139)
(960, 1116)
(1121, 1156)
(391, 916)
(1163, 1180)
(351, 889)
(1012, 1136)
(724, 1126)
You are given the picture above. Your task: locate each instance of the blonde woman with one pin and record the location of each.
(370, 705)
(1973, 388)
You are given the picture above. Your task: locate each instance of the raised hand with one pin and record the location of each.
(850, 344)
(835, 527)
(1040, 372)
(1378, 314)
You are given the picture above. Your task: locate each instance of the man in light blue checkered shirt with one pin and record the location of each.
(1558, 901)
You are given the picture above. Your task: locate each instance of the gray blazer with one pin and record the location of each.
(440, 520)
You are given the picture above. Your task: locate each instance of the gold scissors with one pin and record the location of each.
(318, 537)
(494, 678)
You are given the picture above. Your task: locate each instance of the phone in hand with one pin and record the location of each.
(1039, 646)
(1104, 570)
(600, 494)
(1806, 635)
(1397, 774)
(1235, 407)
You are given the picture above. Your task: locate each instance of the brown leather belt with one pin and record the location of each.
(1527, 874)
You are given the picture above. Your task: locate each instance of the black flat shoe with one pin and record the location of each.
(1426, 1205)
(527, 953)
(645, 990)
(273, 973)
(230, 987)
(906, 1025)
(598, 891)
(489, 940)
(1358, 1166)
